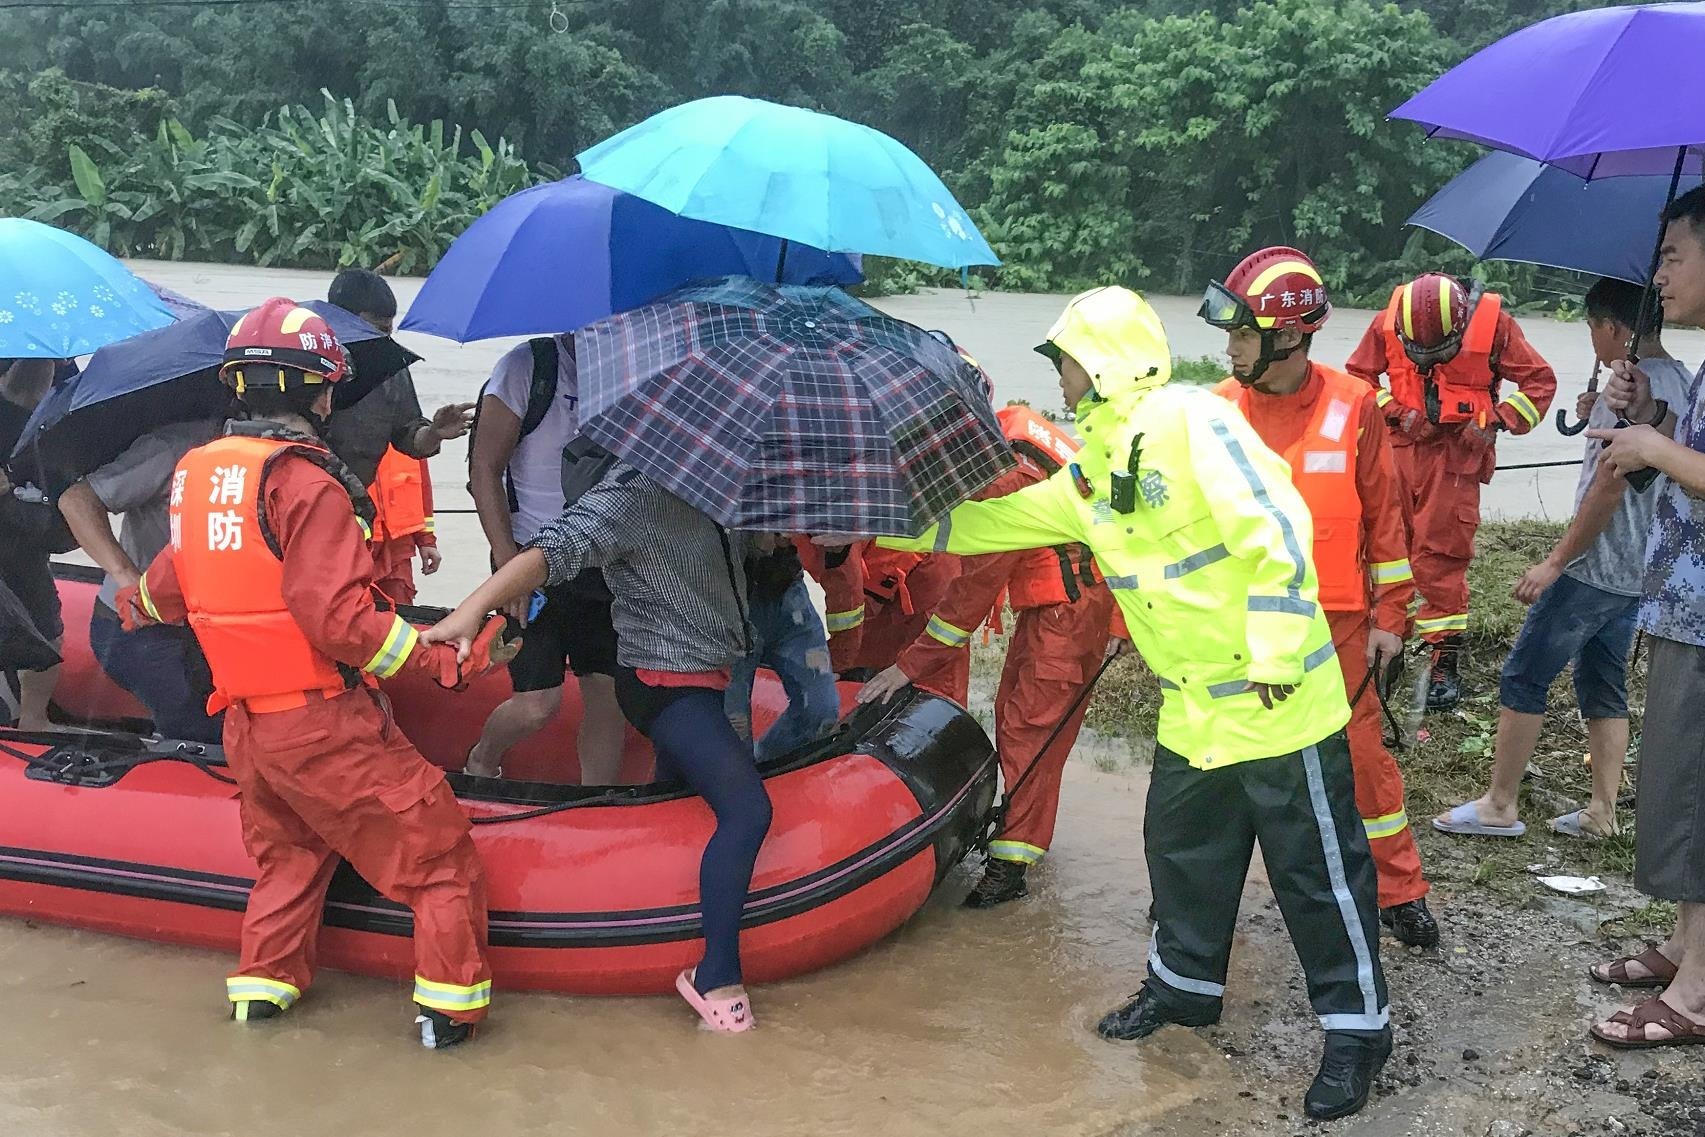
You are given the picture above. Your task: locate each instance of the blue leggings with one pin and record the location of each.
(696, 744)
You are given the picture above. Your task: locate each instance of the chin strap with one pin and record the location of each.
(1269, 356)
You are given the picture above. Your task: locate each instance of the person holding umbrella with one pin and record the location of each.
(1328, 427)
(1446, 349)
(1669, 841)
(1584, 601)
(26, 568)
(1205, 545)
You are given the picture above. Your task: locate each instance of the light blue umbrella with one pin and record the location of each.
(61, 296)
(791, 173)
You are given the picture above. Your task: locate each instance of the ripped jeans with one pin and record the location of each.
(790, 641)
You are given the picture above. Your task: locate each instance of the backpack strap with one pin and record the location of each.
(541, 392)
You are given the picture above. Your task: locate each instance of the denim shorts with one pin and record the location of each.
(1573, 622)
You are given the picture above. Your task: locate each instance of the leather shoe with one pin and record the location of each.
(1142, 1016)
(1411, 923)
(1347, 1071)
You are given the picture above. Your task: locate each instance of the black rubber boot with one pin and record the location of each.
(438, 1031)
(1446, 690)
(1347, 1072)
(254, 1010)
(1144, 1015)
(1002, 881)
(1411, 923)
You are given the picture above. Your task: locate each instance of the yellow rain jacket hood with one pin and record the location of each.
(1116, 337)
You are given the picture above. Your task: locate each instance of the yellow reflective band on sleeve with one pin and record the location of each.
(147, 601)
(844, 621)
(450, 996)
(1392, 572)
(1443, 624)
(391, 656)
(1017, 851)
(1382, 396)
(1524, 407)
(366, 529)
(1388, 826)
(943, 632)
(431, 524)
(248, 988)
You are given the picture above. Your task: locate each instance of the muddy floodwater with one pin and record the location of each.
(964, 1023)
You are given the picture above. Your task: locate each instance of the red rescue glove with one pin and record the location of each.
(489, 650)
(131, 615)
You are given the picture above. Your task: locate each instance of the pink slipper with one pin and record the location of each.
(725, 1016)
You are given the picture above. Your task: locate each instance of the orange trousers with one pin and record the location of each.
(1054, 652)
(1441, 511)
(1379, 783)
(393, 569)
(337, 778)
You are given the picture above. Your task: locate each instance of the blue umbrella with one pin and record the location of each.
(560, 256)
(808, 177)
(1509, 208)
(61, 296)
(166, 376)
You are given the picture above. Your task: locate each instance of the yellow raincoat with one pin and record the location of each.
(1213, 569)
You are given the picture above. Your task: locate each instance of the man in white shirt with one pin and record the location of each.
(526, 416)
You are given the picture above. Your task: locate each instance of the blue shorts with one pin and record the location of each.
(1572, 622)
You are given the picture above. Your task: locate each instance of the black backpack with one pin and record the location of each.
(541, 393)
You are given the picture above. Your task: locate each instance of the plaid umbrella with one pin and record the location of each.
(789, 408)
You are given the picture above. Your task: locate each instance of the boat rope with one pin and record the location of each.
(608, 797)
(1384, 707)
(67, 769)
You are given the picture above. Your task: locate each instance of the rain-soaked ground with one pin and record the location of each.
(961, 1023)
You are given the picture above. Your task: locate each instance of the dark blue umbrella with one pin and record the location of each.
(1509, 208)
(166, 376)
(560, 256)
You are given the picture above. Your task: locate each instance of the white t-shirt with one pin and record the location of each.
(535, 469)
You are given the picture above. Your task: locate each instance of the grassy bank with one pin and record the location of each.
(1453, 761)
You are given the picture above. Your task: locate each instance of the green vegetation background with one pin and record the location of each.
(1147, 143)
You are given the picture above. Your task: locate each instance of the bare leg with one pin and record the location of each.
(521, 716)
(35, 691)
(1607, 741)
(603, 730)
(1518, 734)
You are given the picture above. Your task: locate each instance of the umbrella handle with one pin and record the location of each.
(1564, 428)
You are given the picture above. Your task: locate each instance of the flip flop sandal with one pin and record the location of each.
(1464, 821)
(724, 1016)
(1653, 1012)
(1577, 824)
(1662, 971)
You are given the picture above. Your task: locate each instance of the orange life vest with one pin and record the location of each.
(1463, 390)
(885, 575)
(231, 571)
(1048, 576)
(1323, 467)
(399, 494)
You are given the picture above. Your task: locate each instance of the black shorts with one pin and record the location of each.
(572, 631)
(29, 574)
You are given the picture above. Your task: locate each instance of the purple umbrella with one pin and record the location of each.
(1615, 91)
(1609, 92)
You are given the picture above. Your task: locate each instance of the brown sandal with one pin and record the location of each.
(1654, 961)
(1683, 1031)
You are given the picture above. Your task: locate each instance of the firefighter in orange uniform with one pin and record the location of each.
(1327, 426)
(840, 574)
(1064, 613)
(885, 599)
(1446, 350)
(402, 496)
(269, 565)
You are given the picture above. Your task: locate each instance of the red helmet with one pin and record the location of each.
(1432, 313)
(293, 343)
(1278, 287)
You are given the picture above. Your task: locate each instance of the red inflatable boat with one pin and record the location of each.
(593, 889)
